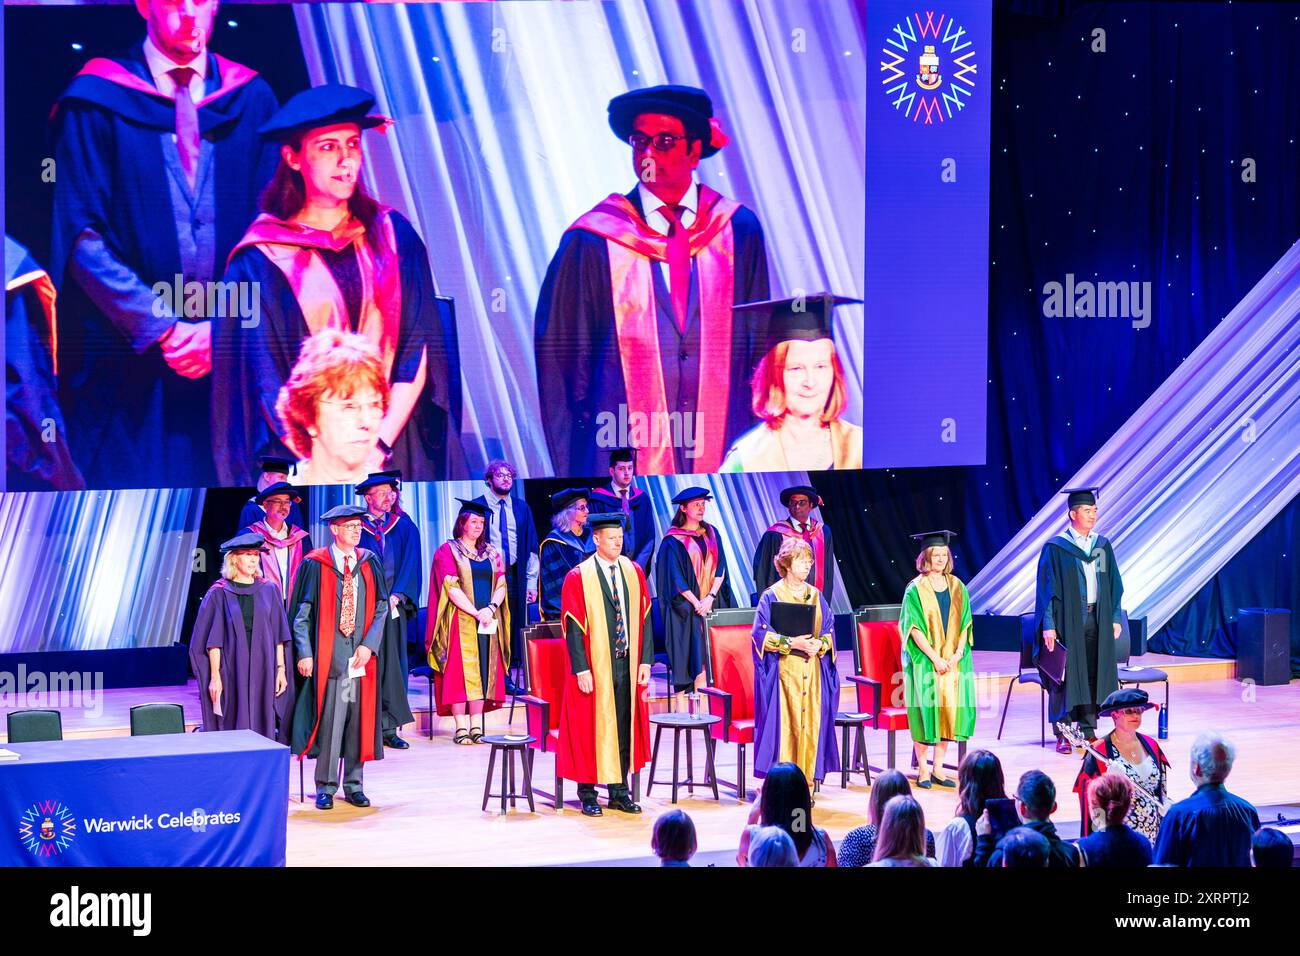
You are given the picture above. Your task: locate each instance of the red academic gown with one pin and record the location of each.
(588, 732)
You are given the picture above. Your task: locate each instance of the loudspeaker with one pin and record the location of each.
(1264, 645)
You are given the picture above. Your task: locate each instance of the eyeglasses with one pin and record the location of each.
(662, 142)
(351, 407)
(502, 474)
(1132, 711)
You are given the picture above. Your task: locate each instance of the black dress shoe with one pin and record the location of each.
(396, 742)
(1063, 746)
(357, 799)
(513, 689)
(592, 809)
(625, 804)
(324, 801)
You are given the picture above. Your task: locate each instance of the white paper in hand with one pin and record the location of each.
(489, 628)
(355, 669)
(216, 707)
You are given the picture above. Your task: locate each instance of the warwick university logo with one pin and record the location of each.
(47, 828)
(928, 68)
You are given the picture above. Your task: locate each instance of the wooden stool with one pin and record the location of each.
(509, 744)
(684, 723)
(859, 763)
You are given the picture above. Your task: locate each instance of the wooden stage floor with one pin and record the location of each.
(426, 800)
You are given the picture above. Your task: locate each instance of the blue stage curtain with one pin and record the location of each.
(96, 570)
(502, 140)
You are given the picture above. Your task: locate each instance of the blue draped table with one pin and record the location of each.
(202, 799)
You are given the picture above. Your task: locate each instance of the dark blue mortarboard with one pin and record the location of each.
(1080, 496)
(473, 507)
(377, 479)
(279, 488)
(689, 104)
(808, 490)
(609, 519)
(245, 541)
(343, 513)
(319, 106)
(562, 499)
(935, 539)
(273, 465)
(690, 494)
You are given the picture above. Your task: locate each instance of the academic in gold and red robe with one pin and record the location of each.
(589, 723)
(467, 665)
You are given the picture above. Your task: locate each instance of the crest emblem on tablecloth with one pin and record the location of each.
(945, 67)
(47, 828)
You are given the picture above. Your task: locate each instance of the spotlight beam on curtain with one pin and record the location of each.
(502, 141)
(1210, 458)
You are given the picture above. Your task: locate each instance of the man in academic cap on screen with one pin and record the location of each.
(633, 326)
(337, 614)
(1077, 609)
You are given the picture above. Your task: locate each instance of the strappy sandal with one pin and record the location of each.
(462, 737)
(477, 734)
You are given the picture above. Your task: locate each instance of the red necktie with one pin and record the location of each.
(348, 615)
(679, 263)
(187, 122)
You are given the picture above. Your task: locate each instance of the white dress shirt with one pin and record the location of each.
(656, 220)
(160, 64)
(1085, 544)
(615, 581)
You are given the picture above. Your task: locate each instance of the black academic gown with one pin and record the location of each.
(251, 365)
(765, 569)
(683, 628)
(398, 547)
(305, 713)
(1060, 589)
(114, 156)
(579, 371)
(33, 462)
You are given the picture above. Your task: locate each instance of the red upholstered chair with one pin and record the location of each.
(546, 668)
(546, 663)
(729, 661)
(878, 675)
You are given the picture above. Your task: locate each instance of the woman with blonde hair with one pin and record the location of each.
(901, 838)
(938, 682)
(239, 648)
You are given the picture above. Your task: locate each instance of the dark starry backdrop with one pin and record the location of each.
(1117, 166)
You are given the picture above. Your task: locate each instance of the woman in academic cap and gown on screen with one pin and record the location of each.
(240, 650)
(691, 581)
(327, 256)
(799, 390)
(938, 682)
(468, 637)
(796, 685)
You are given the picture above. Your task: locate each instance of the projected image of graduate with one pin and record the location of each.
(799, 390)
(633, 327)
(159, 168)
(324, 255)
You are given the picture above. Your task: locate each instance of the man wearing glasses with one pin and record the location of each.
(633, 335)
